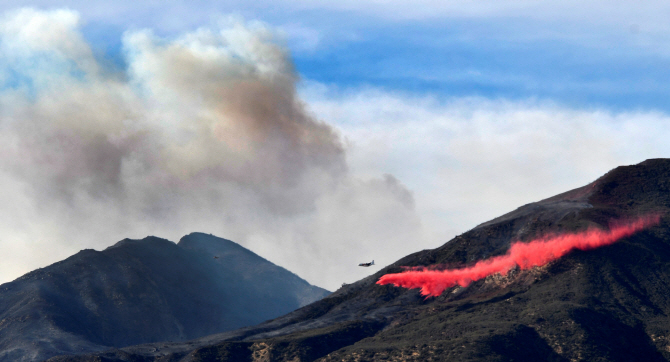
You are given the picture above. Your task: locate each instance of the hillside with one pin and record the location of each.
(607, 304)
(139, 291)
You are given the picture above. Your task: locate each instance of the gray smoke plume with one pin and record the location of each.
(201, 132)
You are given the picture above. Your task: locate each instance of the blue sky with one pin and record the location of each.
(447, 113)
(589, 57)
(451, 61)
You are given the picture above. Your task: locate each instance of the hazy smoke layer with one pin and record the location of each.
(524, 255)
(203, 132)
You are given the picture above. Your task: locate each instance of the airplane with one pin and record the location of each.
(367, 264)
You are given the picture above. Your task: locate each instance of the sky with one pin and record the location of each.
(319, 135)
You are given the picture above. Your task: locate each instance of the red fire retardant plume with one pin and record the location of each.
(526, 255)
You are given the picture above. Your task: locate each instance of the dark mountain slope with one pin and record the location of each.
(140, 291)
(607, 304)
(254, 276)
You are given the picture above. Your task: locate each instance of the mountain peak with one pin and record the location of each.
(212, 244)
(143, 290)
(149, 241)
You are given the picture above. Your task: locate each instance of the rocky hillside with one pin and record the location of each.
(607, 304)
(140, 291)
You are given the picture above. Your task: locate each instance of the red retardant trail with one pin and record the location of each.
(526, 255)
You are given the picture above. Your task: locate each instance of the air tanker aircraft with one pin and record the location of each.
(367, 264)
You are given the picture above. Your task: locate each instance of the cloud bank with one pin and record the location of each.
(200, 132)
(469, 160)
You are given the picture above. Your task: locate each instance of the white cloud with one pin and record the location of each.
(204, 132)
(468, 160)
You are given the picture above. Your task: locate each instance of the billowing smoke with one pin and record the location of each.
(524, 255)
(198, 132)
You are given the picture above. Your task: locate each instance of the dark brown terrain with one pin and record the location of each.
(607, 304)
(140, 291)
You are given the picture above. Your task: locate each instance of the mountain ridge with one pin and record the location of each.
(555, 312)
(142, 290)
